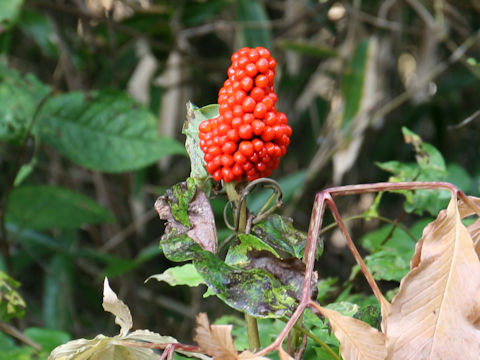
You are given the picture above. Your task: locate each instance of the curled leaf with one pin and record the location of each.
(117, 307)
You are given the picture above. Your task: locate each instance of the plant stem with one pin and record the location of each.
(240, 225)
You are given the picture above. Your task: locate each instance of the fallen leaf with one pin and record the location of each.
(358, 340)
(215, 340)
(436, 314)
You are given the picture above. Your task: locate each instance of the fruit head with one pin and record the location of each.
(249, 136)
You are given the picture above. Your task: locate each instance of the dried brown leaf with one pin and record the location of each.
(117, 307)
(436, 314)
(358, 340)
(465, 209)
(474, 231)
(283, 355)
(215, 340)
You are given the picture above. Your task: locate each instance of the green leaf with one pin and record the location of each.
(47, 338)
(254, 291)
(9, 11)
(39, 27)
(105, 131)
(190, 128)
(20, 96)
(258, 34)
(429, 166)
(388, 265)
(279, 233)
(180, 275)
(46, 207)
(308, 49)
(12, 304)
(57, 293)
(353, 82)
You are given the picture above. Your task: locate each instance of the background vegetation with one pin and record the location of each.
(92, 101)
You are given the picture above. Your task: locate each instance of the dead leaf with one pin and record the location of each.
(283, 355)
(117, 347)
(466, 210)
(474, 231)
(117, 307)
(436, 314)
(215, 340)
(358, 340)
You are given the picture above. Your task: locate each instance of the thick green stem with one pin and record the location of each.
(240, 225)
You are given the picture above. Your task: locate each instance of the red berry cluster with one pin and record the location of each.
(249, 136)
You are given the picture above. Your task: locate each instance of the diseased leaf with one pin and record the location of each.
(238, 253)
(12, 304)
(358, 340)
(255, 291)
(66, 209)
(436, 313)
(104, 131)
(279, 233)
(189, 215)
(117, 307)
(180, 275)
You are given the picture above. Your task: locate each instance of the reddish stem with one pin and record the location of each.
(326, 196)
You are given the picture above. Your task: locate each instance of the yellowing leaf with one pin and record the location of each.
(358, 340)
(436, 314)
(117, 307)
(215, 340)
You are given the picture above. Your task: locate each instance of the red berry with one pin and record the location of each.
(251, 70)
(246, 148)
(239, 158)
(233, 135)
(248, 118)
(258, 126)
(248, 104)
(258, 94)
(253, 55)
(261, 81)
(246, 83)
(249, 136)
(262, 65)
(229, 147)
(260, 110)
(227, 160)
(268, 133)
(245, 131)
(257, 144)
